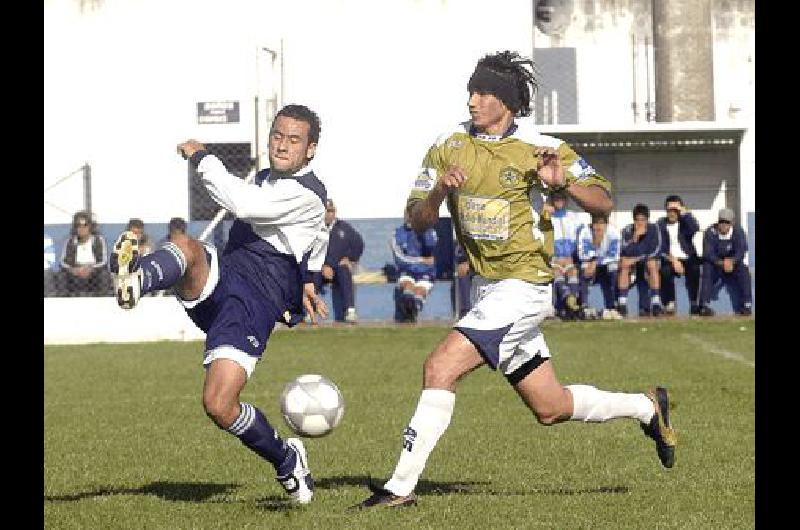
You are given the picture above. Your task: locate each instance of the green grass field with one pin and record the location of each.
(127, 444)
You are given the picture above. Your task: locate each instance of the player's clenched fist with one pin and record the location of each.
(549, 166)
(452, 178)
(189, 147)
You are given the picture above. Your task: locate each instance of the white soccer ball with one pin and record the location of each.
(312, 405)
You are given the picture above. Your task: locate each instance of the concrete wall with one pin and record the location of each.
(85, 320)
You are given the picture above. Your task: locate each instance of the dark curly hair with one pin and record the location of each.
(519, 71)
(303, 113)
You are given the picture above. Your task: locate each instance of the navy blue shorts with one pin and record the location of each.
(235, 315)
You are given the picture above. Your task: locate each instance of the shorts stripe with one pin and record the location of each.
(486, 341)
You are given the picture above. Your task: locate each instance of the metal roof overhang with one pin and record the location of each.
(675, 136)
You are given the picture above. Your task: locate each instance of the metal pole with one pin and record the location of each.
(87, 187)
(634, 103)
(648, 105)
(280, 101)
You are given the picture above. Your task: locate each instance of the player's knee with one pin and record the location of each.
(438, 374)
(220, 410)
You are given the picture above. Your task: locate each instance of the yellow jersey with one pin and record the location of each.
(497, 212)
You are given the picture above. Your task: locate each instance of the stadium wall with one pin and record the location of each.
(386, 78)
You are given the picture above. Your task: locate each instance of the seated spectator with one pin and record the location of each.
(413, 255)
(598, 253)
(462, 301)
(679, 257)
(177, 225)
(345, 246)
(724, 247)
(565, 282)
(137, 227)
(640, 254)
(84, 259)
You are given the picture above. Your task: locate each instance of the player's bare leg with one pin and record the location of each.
(553, 403)
(654, 281)
(451, 360)
(626, 265)
(224, 381)
(190, 285)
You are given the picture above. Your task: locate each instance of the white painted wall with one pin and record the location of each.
(122, 81)
(87, 320)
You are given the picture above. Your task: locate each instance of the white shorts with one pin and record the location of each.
(423, 284)
(503, 323)
(248, 362)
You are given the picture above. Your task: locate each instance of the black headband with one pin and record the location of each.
(485, 80)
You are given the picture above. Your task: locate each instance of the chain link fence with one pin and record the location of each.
(76, 256)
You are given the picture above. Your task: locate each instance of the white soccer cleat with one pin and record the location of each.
(299, 483)
(125, 270)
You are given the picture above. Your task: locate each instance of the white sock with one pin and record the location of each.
(434, 410)
(591, 404)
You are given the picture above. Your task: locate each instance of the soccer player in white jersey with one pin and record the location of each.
(263, 276)
(492, 172)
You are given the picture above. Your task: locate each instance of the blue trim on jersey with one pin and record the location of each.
(473, 131)
(307, 180)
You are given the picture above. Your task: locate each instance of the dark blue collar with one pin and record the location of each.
(492, 137)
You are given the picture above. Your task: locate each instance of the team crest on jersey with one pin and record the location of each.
(510, 177)
(425, 179)
(455, 144)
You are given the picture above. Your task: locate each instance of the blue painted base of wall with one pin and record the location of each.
(374, 302)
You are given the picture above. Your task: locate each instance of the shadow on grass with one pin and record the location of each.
(429, 487)
(169, 491)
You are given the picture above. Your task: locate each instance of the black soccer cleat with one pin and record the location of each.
(705, 311)
(659, 428)
(383, 497)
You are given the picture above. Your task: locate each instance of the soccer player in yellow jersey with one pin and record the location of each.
(494, 175)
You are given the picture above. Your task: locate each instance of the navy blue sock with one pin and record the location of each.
(622, 295)
(254, 431)
(162, 268)
(345, 279)
(573, 286)
(560, 287)
(583, 286)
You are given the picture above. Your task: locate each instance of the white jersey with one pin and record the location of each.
(606, 253)
(288, 213)
(566, 224)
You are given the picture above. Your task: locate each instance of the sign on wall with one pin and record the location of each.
(218, 112)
